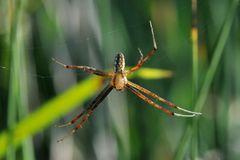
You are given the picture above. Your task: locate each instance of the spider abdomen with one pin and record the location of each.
(119, 63)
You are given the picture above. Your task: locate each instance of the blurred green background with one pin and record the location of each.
(36, 93)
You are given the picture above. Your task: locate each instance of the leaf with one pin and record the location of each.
(151, 73)
(49, 112)
(217, 55)
(61, 105)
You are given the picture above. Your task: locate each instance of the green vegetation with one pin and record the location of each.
(36, 93)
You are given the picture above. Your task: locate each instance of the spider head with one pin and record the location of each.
(119, 63)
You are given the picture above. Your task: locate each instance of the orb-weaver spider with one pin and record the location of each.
(119, 82)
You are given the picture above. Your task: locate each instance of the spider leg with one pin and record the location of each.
(74, 120)
(141, 56)
(160, 98)
(93, 105)
(140, 95)
(170, 113)
(143, 60)
(87, 69)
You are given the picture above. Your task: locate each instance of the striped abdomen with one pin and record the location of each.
(119, 79)
(119, 63)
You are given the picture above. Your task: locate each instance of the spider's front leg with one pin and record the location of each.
(143, 60)
(87, 69)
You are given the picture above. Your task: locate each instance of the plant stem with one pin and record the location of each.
(217, 54)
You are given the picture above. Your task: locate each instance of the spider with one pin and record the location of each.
(119, 81)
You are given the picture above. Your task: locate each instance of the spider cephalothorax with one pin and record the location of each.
(118, 80)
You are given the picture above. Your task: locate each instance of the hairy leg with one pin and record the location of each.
(87, 69)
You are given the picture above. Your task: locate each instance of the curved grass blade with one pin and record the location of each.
(217, 54)
(152, 73)
(57, 107)
(49, 112)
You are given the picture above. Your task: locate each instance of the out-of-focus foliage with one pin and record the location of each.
(34, 91)
(61, 105)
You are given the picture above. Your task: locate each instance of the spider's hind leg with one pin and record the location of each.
(93, 105)
(189, 113)
(74, 120)
(77, 127)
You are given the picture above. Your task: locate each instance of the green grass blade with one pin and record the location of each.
(194, 35)
(217, 54)
(18, 97)
(49, 112)
(195, 59)
(54, 109)
(151, 73)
